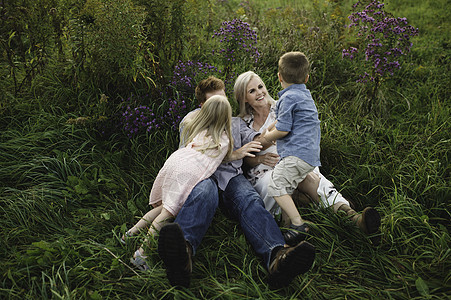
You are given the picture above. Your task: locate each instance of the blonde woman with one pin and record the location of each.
(208, 140)
(257, 109)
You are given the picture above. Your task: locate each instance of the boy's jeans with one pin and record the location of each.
(244, 203)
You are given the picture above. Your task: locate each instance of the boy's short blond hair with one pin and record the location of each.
(208, 85)
(294, 67)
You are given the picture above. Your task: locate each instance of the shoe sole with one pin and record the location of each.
(372, 221)
(173, 253)
(297, 262)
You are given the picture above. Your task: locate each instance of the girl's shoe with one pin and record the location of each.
(139, 261)
(125, 236)
(295, 234)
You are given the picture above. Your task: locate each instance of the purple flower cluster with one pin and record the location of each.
(137, 119)
(187, 74)
(176, 111)
(239, 41)
(385, 37)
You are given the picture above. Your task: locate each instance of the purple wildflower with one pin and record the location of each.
(385, 38)
(239, 41)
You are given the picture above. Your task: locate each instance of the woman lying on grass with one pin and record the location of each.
(257, 110)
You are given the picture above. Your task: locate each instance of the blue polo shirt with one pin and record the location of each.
(296, 113)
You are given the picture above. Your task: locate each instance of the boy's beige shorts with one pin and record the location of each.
(287, 175)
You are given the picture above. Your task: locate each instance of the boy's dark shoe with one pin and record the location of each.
(290, 262)
(295, 234)
(176, 254)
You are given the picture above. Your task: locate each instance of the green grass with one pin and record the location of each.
(68, 191)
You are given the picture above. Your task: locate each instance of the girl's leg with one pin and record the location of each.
(156, 216)
(157, 223)
(145, 221)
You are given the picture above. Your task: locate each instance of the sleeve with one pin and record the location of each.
(224, 145)
(182, 123)
(247, 134)
(284, 115)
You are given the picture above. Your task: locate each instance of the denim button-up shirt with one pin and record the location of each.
(296, 113)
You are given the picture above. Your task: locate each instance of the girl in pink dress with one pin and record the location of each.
(207, 141)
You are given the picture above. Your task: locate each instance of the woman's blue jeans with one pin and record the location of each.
(245, 204)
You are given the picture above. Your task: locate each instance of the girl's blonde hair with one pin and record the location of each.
(240, 91)
(215, 116)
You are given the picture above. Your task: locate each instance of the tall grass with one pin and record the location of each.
(69, 190)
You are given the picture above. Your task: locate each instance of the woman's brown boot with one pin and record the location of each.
(369, 221)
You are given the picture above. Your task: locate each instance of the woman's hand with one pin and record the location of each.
(269, 159)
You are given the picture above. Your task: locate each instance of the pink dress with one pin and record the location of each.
(183, 170)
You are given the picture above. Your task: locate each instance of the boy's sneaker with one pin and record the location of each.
(290, 262)
(295, 234)
(176, 254)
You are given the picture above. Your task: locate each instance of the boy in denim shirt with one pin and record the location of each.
(297, 130)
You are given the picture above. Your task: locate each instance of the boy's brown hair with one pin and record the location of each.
(294, 67)
(210, 84)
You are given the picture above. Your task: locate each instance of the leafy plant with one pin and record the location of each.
(29, 34)
(164, 29)
(113, 43)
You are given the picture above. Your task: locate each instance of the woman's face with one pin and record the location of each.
(256, 93)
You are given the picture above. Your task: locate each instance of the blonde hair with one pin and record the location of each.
(294, 67)
(215, 116)
(240, 92)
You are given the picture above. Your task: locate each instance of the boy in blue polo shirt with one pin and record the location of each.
(298, 134)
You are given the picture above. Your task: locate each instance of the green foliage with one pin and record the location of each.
(27, 40)
(164, 28)
(108, 49)
(71, 182)
(112, 40)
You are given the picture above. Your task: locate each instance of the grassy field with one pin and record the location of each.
(70, 186)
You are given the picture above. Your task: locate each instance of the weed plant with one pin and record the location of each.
(73, 178)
